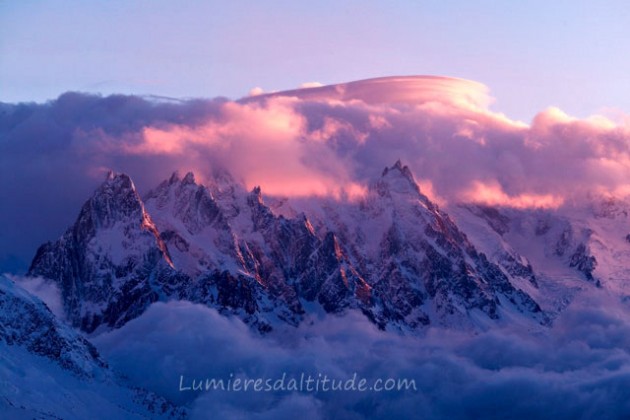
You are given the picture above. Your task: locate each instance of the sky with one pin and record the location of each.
(532, 55)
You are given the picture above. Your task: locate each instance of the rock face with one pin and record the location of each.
(39, 352)
(417, 266)
(26, 321)
(111, 264)
(393, 255)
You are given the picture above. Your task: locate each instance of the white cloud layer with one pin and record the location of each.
(47, 291)
(578, 369)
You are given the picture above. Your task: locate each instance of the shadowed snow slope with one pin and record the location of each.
(49, 370)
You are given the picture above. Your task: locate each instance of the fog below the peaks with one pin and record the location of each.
(580, 368)
(318, 141)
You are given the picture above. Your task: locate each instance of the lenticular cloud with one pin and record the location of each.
(318, 140)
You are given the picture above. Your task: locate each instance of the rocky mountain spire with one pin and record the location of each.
(394, 256)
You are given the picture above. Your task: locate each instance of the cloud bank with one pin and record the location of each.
(320, 140)
(578, 369)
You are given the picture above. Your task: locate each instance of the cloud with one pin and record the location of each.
(256, 91)
(331, 140)
(579, 368)
(262, 145)
(47, 291)
(410, 90)
(491, 194)
(52, 158)
(311, 85)
(324, 140)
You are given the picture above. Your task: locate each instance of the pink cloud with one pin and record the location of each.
(263, 143)
(491, 194)
(330, 139)
(410, 90)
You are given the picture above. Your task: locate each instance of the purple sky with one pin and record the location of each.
(569, 54)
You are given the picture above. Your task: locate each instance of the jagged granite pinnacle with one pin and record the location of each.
(394, 256)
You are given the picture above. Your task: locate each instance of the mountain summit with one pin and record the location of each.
(393, 256)
(107, 264)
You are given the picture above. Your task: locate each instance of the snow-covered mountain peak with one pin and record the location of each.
(396, 179)
(398, 187)
(183, 201)
(395, 257)
(189, 179)
(256, 195)
(174, 178)
(398, 166)
(117, 181)
(105, 262)
(114, 200)
(221, 180)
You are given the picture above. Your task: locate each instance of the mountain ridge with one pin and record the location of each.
(39, 352)
(396, 257)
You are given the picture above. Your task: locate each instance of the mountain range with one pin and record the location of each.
(391, 254)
